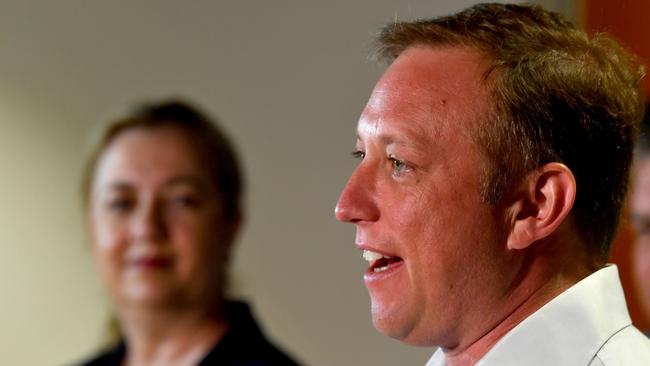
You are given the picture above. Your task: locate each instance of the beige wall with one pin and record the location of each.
(288, 78)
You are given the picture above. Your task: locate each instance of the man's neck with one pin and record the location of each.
(542, 283)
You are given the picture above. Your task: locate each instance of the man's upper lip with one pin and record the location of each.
(362, 246)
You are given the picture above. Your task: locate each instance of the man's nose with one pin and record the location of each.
(357, 202)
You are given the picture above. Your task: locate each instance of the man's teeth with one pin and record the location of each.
(373, 257)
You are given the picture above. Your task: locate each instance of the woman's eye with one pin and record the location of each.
(185, 201)
(120, 205)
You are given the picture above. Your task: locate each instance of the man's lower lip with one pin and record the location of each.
(371, 276)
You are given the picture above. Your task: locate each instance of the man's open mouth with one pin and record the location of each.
(379, 262)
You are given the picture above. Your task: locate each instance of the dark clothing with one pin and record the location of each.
(242, 345)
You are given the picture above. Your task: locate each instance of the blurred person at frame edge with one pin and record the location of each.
(640, 212)
(163, 206)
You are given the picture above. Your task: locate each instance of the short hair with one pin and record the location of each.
(556, 95)
(211, 144)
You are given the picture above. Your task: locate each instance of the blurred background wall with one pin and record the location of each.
(287, 78)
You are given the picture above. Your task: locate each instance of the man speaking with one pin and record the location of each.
(494, 159)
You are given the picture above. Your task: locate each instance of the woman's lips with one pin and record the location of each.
(150, 262)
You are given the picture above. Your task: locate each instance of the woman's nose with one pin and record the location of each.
(148, 223)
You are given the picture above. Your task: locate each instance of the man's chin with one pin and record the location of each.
(399, 326)
(390, 323)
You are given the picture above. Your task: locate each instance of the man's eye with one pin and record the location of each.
(359, 154)
(398, 165)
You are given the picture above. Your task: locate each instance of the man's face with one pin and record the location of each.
(640, 210)
(415, 199)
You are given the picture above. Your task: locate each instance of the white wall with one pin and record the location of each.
(287, 78)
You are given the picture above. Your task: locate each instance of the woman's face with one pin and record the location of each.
(156, 221)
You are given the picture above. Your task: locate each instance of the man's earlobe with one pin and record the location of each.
(545, 199)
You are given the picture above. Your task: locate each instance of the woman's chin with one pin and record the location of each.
(149, 296)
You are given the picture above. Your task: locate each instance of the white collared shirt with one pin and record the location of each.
(586, 325)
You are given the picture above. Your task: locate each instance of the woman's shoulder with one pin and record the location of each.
(110, 357)
(245, 343)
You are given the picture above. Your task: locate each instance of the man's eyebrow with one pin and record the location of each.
(388, 139)
(414, 140)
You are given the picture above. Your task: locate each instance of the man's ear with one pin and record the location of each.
(542, 202)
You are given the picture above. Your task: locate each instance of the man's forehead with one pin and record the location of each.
(424, 66)
(390, 132)
(426, 88)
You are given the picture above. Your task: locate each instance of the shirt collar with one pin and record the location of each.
(568, 330)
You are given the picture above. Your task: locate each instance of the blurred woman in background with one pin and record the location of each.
(163, 207)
